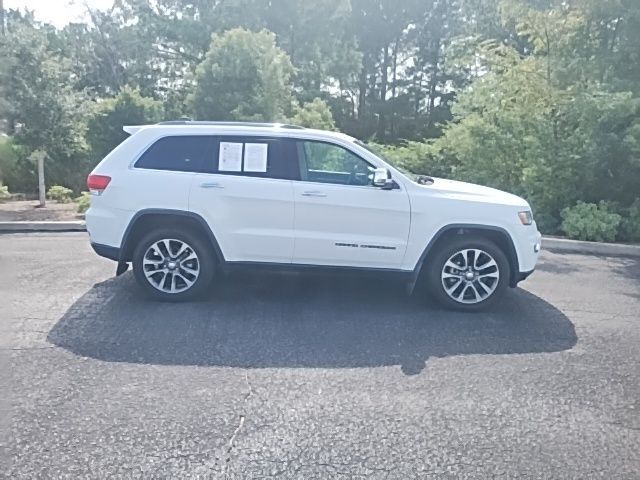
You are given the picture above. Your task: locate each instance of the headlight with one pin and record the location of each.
(526, 218)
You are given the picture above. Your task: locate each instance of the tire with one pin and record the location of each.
(458, 289)
(182, 262)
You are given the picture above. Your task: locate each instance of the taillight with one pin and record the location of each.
(97, 183)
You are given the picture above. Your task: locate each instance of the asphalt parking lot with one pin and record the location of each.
(303, 377)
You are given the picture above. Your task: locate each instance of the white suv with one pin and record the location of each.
(181, 200)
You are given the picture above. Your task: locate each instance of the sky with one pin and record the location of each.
(58, 12)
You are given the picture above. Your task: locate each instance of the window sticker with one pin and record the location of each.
(255, 157)
(230, 157)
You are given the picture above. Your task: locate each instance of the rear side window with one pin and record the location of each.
(254, 157)
(178, 153)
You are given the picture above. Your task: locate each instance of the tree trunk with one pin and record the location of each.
(394, 85)
(433, 83)
(2, 16)
(395, 68)
(362, 93)
(292, 43)
(382, 120)
(418, 99)
(41, 187)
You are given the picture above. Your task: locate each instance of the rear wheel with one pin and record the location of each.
(468, 274)
(173, 265)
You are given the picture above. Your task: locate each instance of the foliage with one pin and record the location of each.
(43, 108)
(4, 193)
(7, 159)
(314, 114)
(244, 76)
(590, 221)
(417, 157)
(540, 98)
(129, 107)
(538, 125)
(60, 194)
(16, 170)
(83, 202)
(629, 230)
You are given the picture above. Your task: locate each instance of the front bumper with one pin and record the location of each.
(529, 243)
(520, 277)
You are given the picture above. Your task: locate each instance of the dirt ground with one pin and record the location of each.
(28, 211)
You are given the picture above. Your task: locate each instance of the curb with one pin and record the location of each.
(69, 226)
(564, 245)
(552, 244)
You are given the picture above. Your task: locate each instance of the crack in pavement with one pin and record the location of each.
(236, 432)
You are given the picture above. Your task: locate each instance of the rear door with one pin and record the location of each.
(340, 217)
(245, 194)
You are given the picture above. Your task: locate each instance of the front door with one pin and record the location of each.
(341, 219)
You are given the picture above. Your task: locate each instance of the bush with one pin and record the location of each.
(60, 194)
(315, 114)
(421, 158)
(588, 221)
(128, 107)
(4, 193)
(83, 201)
(7, 158)
(629, 230)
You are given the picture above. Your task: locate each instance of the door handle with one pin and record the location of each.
(313, 193)
(211, 185)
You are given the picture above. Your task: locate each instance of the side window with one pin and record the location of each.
(178, 153)
(328, 163)
(254, 157)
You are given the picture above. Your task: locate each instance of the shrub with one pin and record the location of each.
(128, 107)
(4, 193)
(421, 158)
(60, 194)
(588, 221)
(7, 159)
(629, 230)
(315, 114)
(83, 202)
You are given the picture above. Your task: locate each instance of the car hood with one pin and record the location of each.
(473, 192)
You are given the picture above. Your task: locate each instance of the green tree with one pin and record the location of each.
(529, 127)
(244, 76)
(314, 114)
(43, 107)
(129, 107)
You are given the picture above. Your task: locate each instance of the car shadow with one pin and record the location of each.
(263, 320)
(559, 265)
(629, 268)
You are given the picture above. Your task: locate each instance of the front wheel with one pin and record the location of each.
(468, 274)
(173, 265)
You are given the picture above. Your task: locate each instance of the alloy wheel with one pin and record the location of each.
(470, 276)
(171, 265)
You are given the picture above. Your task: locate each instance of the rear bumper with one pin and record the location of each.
(106, 226)
(106, 251)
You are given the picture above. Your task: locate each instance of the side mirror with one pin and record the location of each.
(382, 178)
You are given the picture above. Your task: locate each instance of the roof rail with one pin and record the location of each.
(230, 124)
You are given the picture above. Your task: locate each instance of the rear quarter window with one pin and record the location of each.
(178, 153)
(282, 162)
